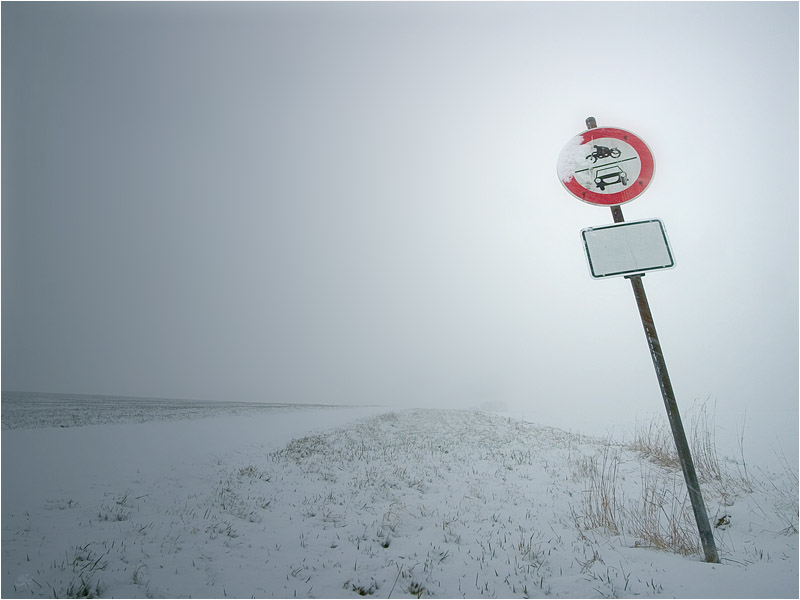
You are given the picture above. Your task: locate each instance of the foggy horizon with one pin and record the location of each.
(358, 203)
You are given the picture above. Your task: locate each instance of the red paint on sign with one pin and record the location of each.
(632, 189)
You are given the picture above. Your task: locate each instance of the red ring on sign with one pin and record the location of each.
(640, 185)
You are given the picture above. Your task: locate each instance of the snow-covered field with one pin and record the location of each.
(25, 410)
(350, 502)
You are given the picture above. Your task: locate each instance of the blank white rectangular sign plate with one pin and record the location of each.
(627, 248)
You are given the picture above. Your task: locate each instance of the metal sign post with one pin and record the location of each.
(614, 199)
(678, 434)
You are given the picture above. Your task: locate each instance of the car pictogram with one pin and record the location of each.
(611, 175)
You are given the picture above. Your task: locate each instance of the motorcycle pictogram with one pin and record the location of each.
(603, 152)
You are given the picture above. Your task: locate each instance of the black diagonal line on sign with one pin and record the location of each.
(607, 164)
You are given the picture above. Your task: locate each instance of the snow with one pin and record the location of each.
(345, 502)
(570, 158)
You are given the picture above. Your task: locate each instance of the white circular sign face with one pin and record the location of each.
(606, 166)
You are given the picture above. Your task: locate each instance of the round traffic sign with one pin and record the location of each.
(606, 166)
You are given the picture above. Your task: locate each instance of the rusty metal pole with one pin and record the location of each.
(678, 433)
(667, 393)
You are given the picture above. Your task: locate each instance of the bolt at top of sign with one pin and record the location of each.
(606, 166)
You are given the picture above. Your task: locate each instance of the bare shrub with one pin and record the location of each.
(601, 507)
(784, 492)
(703, 443)
(663, 518)
(655, 442)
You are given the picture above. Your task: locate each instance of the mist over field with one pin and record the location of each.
(358, 203)
(295, 299)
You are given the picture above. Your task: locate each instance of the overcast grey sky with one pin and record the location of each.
(358, 203)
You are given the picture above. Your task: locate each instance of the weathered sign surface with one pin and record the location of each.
(627, 248)
(606, 166)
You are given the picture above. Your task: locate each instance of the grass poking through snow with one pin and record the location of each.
(428, 503)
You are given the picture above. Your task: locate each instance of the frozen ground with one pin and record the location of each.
(25, 410)
(366, 501)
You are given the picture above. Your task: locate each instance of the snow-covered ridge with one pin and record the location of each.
(414, 503)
